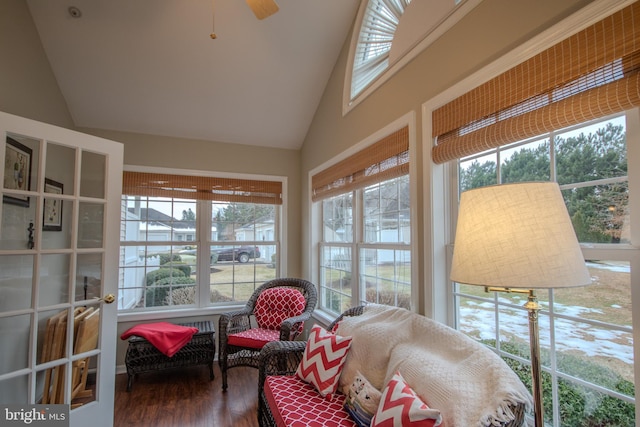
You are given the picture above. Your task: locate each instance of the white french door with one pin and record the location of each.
(59, 236)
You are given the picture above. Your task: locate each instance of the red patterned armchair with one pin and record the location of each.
(276, 311)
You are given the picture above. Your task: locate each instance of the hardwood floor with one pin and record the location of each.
(186, 398)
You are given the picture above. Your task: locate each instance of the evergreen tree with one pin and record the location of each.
(527, 165)
(478, 175)
(238, 215)
(598, 155)
(599, 211)
(188, 215)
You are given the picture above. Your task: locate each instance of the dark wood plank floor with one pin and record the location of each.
(186, 398)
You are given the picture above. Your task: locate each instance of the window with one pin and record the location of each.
(385, 255)
(586, 333)
(195, 252)
(565, 115)
(365, 229)
(387, 37)
(378, 27)
(374, 246)
(242, 257)
(336, 249)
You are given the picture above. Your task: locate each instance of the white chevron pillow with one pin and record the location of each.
(401, 406)
(323, 359)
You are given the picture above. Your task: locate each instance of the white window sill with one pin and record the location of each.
(135, 316)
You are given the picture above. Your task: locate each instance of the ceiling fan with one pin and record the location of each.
(263, 8)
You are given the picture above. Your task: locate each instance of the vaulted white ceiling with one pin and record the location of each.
(150, 66)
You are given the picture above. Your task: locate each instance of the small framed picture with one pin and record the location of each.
(17, 171)
(52, 220)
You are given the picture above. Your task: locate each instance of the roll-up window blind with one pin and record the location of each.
(591, 74)
(201, 188)
(383, 160)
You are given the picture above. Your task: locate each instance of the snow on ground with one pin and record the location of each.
(478, 319)
(569, 335)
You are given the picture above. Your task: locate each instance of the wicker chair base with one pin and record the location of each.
(143, 357)
(265, 417)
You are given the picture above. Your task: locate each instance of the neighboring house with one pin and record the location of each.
(162, 227)
(389, 230)
(262, 230)
(159, 227)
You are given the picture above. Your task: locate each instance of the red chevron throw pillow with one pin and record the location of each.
(323, 359)
(400, 406)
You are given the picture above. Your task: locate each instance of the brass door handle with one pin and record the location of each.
(107, 299)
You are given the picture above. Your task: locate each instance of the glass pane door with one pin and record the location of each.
(55, 261)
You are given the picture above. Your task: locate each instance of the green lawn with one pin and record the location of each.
(238, 281)
(609, 297)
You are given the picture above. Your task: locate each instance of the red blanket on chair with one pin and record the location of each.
(166, 337)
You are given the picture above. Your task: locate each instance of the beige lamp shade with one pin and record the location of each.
(517, 236)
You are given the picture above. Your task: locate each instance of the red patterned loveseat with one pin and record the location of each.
(287, 400)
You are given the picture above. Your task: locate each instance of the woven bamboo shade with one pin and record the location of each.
(589, 75)
(383, 160)
(201, 188)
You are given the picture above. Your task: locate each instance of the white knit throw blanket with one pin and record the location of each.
(467, 382)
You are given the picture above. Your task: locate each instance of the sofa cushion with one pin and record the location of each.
(295, 403)
(401, 406)
(253, 338)
(323, 359)
(362, 400)
(275, 305)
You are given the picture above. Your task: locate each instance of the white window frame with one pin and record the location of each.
(595, 251)
(315, 211)
(438, 225)
(202, 306)
(427, 37)
(440, 212)
(356, 246)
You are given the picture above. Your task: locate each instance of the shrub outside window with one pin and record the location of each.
(152, 271)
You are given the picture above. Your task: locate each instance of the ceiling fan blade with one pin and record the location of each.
(263, 8)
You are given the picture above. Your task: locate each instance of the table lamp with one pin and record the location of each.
(518, 238)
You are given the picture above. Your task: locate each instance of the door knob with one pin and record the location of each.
(108, 299)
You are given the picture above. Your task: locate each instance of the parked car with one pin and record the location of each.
(242, 254)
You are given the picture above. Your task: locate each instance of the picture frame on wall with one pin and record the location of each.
(52, 215)
(17, 171)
